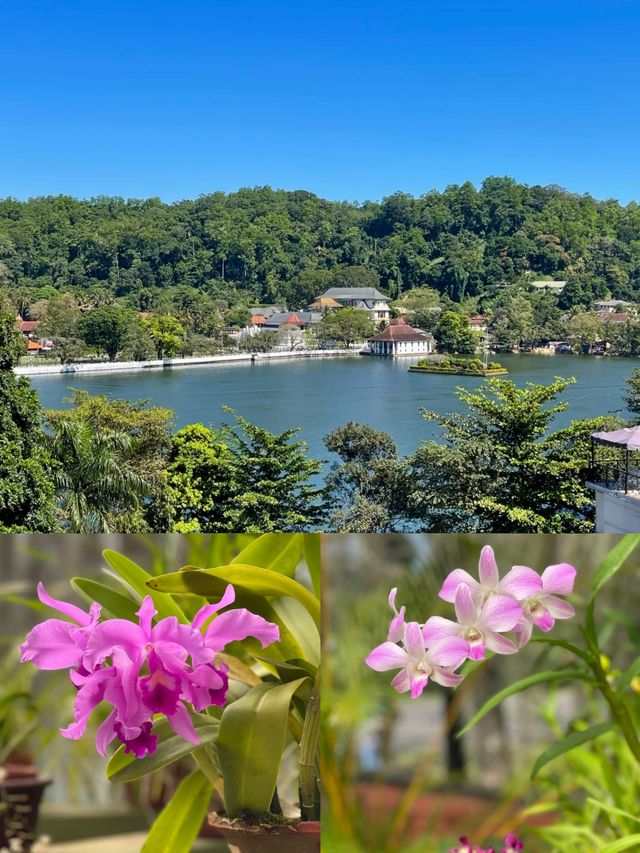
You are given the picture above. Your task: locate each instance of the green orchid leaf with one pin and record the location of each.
(178, 824)
(113, 603)
(518, 687)
(212, 583)
(613, 561)
(570, 742)
(251, 741)
(627, 843)
(137, 578)
(123, 767)
(280, 552)
(312, 555)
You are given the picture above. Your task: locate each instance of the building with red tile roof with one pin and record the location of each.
(399, 338)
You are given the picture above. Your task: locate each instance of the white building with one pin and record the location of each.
(399, 338)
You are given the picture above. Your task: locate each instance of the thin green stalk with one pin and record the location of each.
(618, 709)
(308, 762)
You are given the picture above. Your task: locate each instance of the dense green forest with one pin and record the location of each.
(269, 245)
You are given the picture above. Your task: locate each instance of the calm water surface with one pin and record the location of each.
(321, 395)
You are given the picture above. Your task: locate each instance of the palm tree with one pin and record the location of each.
(94, 481)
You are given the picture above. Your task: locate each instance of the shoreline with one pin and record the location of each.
(170, 363)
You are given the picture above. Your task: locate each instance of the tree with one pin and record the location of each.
(499, 467)
(167, 332)
(241, 477)
(369, 492)
(98, 490)
(632, 395)
(60, 316)
(107, 328)
(27, 497)
(199, 484)
(583, 330)
(453, 335)
(512, 324)
(275, 481)
(346, 326)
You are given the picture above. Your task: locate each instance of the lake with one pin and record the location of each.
(319, 395)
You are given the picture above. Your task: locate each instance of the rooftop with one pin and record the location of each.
(400, 330)
(354, 293)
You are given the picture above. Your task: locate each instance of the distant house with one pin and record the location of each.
(298, 319)
(27, 327)
(367, 299)
(266, 310)
(399, 338)
(478, 323)
(611, 306)
(324, 303)
(605, 317)
(553, 286)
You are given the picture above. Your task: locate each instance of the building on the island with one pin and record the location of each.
(367, 299)
(612, 306)
(615, 479)
(553, 286)
(478, 323)
(399, 338)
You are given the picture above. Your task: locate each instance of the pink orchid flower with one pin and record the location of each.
(512, 844)
(142, 669)
(416, 663)
(519, 583)
(56, 643)
(544, 607)
(479, 626)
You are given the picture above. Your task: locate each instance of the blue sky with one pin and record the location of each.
(352, 99)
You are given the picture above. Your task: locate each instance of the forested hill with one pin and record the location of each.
(287, 246)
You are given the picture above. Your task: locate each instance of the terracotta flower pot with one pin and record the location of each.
(20, 795)
(249, 838)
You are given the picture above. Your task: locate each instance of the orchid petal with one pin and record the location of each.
(113, 634)
(238, 625)
(488, 568)
(392, 599)
(414, 641)
(418, 683)
(172, 639)
(401, 682)
(559, 579)
(557, 607)
(523, 631)
(182, 724)
(500, 613)
(453, 581)
(387, 656)
(437, 627)
(520, 583)
(209, 609)
(446, 678)
(106, 733)
(65, 607)
(466, 612)
(50, 645)
(499, 644)
(396, 628)
(145, 614)
(450, 651)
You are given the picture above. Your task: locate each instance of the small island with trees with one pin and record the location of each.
(458, 366)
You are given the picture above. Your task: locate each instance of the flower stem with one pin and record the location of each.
(618, 709)
(308, 763)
